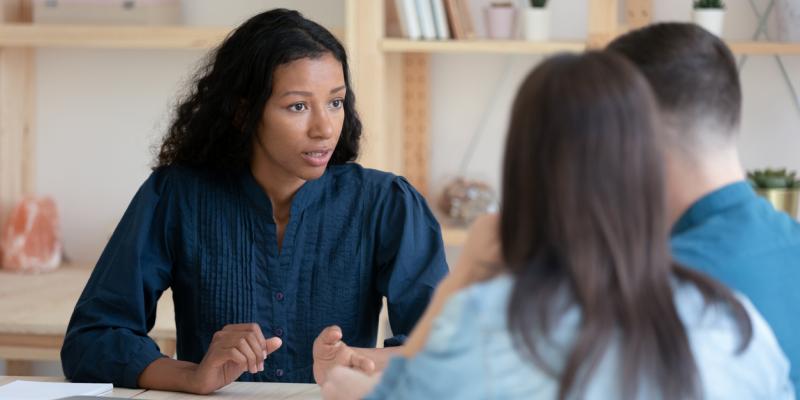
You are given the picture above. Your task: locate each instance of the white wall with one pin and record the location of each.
(770, 123)
(100, 112)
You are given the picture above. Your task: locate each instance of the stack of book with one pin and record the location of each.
(429, 19)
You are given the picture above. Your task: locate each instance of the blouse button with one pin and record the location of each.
(279, 296)
(278, 332)
(278, 372)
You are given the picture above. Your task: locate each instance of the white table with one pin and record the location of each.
(234, 391)
(35, 310)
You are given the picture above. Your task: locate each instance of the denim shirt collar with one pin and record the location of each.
(308, 193)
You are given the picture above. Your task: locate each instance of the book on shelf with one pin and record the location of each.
(427, 19)
(440, 19)
(427, 25)
(394, 28)
(466, 19)
(460, 19)
(408, 19)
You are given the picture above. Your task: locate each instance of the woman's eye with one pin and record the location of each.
(298, 107)
(338, 103)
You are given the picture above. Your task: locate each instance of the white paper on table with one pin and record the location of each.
(30, 390)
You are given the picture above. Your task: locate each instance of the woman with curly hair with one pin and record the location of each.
(264, 227)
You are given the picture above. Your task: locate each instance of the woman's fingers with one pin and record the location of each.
(250, 327)
(362, 363)
(272, 344)
(328, 343)
(255, 330)
(253, 360)
(249, 343)
(235, 355)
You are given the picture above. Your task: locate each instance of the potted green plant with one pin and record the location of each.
(780, 187)
(537, 21)
(710, 14)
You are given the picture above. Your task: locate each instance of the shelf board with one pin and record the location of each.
(765, 48)
(524, 47)
(478, 46)
(115, 36)
(103, 36)
(454, 236)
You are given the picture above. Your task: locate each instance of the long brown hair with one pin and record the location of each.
(583, 213)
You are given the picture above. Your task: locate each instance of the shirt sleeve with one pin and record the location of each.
(106, 340)
(410, 256)
(448, 367)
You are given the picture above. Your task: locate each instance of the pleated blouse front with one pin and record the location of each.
(354, 236)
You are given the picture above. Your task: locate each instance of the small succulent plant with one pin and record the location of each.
(709, 4)
(538, 3)
(773, 179)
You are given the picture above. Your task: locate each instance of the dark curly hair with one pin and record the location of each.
(214, 125)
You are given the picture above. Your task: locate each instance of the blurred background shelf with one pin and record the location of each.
(454, 236)
(118, 37)
(478, 46)
(196, 37)
(765, 48)
(114, 36)
(392, 45)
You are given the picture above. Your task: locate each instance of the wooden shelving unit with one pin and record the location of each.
(454, 236)
(387, 74)
(28, 35)
(117, 37)
(192, 37)
(390, 45)
(765, 48)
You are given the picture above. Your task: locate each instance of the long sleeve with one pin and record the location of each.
(107, 340)
(410, 256)
(449, 367)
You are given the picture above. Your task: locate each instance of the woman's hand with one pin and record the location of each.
(348, 384)
(330, 351)
(481, 260)
(235, 349)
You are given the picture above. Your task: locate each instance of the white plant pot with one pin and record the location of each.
(536, 26)
(710, 19)
(787, 15)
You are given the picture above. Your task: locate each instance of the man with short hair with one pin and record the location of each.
(721, 226)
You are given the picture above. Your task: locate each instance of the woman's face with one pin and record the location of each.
(302, 119)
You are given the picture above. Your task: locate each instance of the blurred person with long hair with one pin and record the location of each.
(580, 297)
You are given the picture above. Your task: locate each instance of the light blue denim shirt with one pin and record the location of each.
(470, 354)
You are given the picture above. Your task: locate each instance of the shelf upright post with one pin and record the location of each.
(603, 23)
(416, 120)
(364, 29)
(17, 155)
(638, 13)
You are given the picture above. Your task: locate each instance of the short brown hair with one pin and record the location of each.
(691, 71)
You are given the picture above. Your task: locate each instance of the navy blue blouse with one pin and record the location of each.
(354, 236)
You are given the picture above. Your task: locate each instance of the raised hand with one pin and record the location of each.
(329, 351)
(234, 349)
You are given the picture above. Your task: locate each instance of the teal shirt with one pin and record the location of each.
(739, 239)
